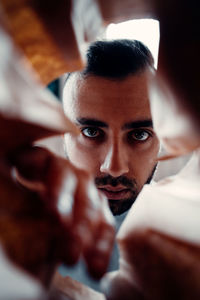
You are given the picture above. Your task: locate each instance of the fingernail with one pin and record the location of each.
(98, 266)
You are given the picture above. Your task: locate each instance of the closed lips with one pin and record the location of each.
(115, 193)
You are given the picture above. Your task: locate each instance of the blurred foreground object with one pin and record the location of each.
(178, 75)
(160, 241)
(27, 111)
(50, 211)
(45, 34)
(51, 36)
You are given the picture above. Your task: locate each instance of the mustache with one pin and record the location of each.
(114, 181)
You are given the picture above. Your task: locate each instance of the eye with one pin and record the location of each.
(91, 132)
(139, 135)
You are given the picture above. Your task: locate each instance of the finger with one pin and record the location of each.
(69, 191)
(68, 246)
(31, 162)
(84, 213)
(79, 217)
(97, 257)
(117, 286)
(38, 167)
(86, 209)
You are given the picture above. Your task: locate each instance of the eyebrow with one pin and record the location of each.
(138, 124)
(91, 122)
(129, 125)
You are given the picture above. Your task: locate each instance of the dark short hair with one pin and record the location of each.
(117, 59)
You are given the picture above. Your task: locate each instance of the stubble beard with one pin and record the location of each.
(119, 207)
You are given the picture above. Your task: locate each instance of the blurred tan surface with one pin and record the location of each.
(45, 34)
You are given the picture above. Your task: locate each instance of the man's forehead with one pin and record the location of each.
(102, 94)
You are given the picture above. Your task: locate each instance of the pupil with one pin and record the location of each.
(92, 132)
(139, 135)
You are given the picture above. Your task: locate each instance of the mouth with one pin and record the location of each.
(115, 193)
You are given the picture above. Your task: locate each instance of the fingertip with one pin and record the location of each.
(72, 255)
(98, 266)
(72, 249)
(106, 283)
(31, 161)
(98, 258)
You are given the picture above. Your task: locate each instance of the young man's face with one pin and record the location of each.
(117, 143)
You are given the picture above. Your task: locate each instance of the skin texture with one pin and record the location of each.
(120, 157)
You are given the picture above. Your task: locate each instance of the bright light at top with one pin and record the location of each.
(145, 30)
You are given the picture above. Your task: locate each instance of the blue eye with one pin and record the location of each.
(90, 132)
(140, 135)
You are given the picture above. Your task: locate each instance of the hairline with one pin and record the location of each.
(109, 78)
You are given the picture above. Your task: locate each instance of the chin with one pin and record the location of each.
(118, 207)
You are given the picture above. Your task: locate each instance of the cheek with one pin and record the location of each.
(150, 151)
(80, 156)
(145, 159)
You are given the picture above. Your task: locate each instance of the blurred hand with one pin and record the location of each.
(52, 213)
(155, 266)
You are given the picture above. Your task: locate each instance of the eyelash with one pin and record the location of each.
(135, 131)
(99, 131)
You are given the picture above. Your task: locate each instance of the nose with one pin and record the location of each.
(115, 162)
